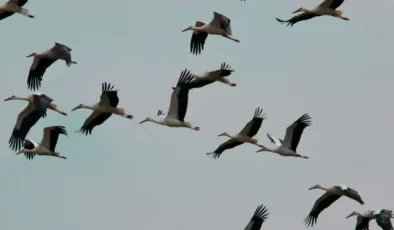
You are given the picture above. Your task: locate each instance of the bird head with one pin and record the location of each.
(188, 28)
(352, 214)
(301, 9)
(10, 98)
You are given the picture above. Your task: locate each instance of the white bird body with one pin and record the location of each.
(327, 7)
(382, 217)
(102, 110)
(288, 146)
(178, 105)
(219, 25)
(47, 145)
(244, 136)
(220, 75)
(44, 60)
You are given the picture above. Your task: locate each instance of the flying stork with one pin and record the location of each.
(246, 134)
(45, 59)
(14, 6)
(178, 105)
(47, 145)
(327, 7)
(258, 218)
(36, 108)
(102, 110)
(332, 194)
(382, 217)
(288, 147)
(220, 25)
(212, 76)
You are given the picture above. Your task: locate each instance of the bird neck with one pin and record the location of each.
(20, 98)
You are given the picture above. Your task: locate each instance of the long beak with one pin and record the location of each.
(350, 215)
(143, 121)
(186, 29)
(19, 152)
(75, 108)
(311, 188)
(260, 150)
(29, 55)
(296, 11)
(7, 99)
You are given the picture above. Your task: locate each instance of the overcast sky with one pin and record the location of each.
(145, 177)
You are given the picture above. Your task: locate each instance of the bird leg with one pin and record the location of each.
(25, 13)
(128, 116)
(231, 38)
(61, 112)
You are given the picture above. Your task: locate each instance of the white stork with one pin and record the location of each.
(288, 147)
(45, 59)
(212, 76)
(47, 145)
(258, 218)
(178, 105)
(36, 108)
(220, 25)
(382, 217)
(332, 194)
(102, 110)
(327, 7)
(246, 134)
(14, 6)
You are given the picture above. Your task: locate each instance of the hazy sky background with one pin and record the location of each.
(131, 176)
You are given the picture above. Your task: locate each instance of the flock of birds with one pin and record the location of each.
(38, 104)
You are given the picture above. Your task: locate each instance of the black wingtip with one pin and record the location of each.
(213, 155)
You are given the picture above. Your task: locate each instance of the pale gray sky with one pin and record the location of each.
(130, 176)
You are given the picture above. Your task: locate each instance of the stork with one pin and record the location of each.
(246, 134)
(327, 7)
(212, 76)
(36, 108)
(288, 147)
(178, 105)
(45, 59)
(332, 194)
(220, 25)
(382, 217)
(102, 110)
(258, 218)
(47, 145)
(14, 6)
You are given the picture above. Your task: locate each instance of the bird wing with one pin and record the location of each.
(41, 103)
(19, 2)
(37, 71)
(26, 119)
(294, 132)
(198, 39)
(383, 219)
(353, 194)
(199, 82)
(362, 223)
(179, 97)
(298, 18)
(229, 144)
(253, 126)
(109, 97)
(275, 140)
(222, 22)
(5, 14)
(333, 4)
(29, 144)
(51, 135)
(322, 203)
(258, 218)
(95, 119)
